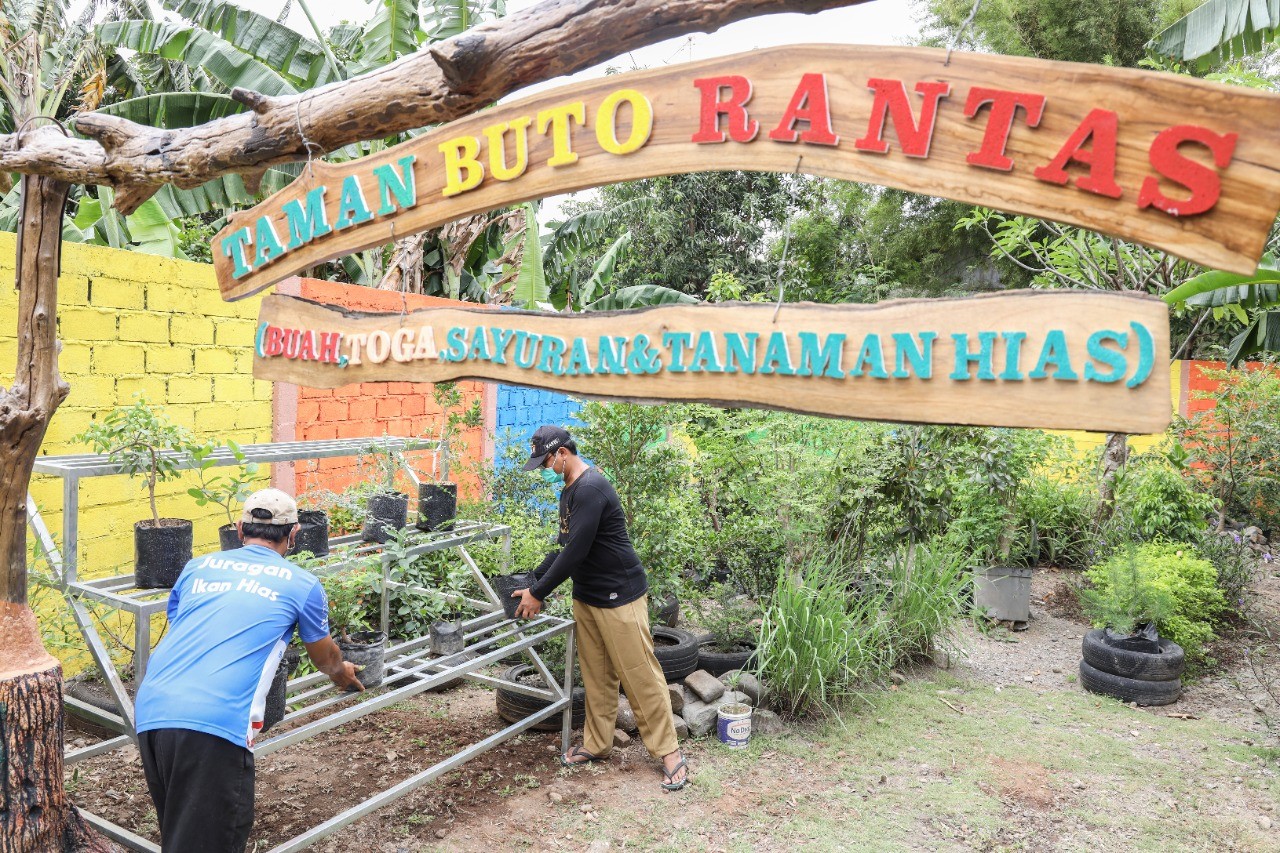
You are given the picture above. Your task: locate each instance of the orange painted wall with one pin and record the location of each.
(373, 409)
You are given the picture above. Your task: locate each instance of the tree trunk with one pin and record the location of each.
(35, 816)
(1114, 457)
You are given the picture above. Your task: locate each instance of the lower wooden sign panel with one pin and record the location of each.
(1066, 360)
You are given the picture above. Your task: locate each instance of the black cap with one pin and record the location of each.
(548, 439)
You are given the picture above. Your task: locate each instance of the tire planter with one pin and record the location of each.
(93, 691)
(669, 612)
(229, 537)
(718, 663)
(514, 707)
(1143, 666)
(313, 533)
(1129, 689)
(386, 512)
(160, 553)
(676, 651)
(437, 505)
(367, 649)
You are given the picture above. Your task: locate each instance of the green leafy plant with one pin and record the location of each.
(1156, 500)
(923, 599)
(1167, 584)
(732, 618)
(387, 462)
(144, 442)
(224, 490)
(454, 418)
(353, 601)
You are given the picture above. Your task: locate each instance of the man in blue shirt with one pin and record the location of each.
(231, 615)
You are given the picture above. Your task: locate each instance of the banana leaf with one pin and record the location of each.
(1262, 336)
(1217, 30)
(640, 296)
(298, 58)
(393, 32)
(1268, 273)
(531, 281)
(198, 49)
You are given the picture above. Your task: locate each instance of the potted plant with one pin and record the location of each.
(224, 490)
(388, 507)
(144, 443)
(732, 621)
(349, 595)
(438, 499)
(1124, 656)
(1001, 587)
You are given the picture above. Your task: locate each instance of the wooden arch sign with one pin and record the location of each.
(1180, 164)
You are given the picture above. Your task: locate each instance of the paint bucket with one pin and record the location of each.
(733, 724)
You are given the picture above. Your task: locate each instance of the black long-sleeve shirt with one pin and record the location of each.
(595, 549)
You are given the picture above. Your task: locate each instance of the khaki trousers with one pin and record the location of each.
(614, 645)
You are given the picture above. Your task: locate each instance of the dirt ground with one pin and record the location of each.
(998, 750)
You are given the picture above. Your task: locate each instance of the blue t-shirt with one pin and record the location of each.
(231, 615)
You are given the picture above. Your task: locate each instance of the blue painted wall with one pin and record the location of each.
(523, 410)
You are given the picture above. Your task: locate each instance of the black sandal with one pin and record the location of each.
(669, 776)
(579, 752)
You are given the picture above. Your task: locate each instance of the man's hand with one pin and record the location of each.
(327, 657)
(529, 606)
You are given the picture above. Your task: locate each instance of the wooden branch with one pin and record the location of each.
(453, 79)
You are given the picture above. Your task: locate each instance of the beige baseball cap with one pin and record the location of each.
(270, 506)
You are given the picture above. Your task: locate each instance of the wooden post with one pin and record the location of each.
(34, 812)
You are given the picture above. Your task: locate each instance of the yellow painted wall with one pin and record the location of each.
(1090, 443)
(128, 323)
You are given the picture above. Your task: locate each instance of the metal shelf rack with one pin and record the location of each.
(316, 706)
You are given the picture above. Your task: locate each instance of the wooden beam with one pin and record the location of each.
(481, 65)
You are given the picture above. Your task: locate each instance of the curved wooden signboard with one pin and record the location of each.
(1054, 359)
(1173, 162)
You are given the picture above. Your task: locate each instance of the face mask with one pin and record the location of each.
(549, 475)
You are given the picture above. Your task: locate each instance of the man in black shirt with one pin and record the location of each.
(610, 607)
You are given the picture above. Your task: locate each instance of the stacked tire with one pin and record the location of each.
(514, 707)
(676, 651)
(1145, 678)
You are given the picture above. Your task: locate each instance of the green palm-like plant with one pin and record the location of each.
(1218, 30)
(1253, 300)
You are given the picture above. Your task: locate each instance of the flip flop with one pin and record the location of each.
(578, 752)
(669, 775)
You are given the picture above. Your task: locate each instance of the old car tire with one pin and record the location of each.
(1129, 689)
(676, 651)
(1143, 666)
(514, 707)
(718, 663)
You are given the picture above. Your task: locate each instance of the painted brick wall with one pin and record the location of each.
(133, 323)
(520, 411)
(372, 409)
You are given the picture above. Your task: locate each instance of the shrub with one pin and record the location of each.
(1155, 501)
(730, 617)
(1055, 522)
(1165, 583)
(923, 599)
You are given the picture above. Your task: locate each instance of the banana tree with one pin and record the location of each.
(1218, 30)
(1252, 300)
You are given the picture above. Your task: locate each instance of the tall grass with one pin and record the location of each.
(824, 638)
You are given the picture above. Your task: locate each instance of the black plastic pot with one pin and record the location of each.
(387, 512)
(277, 695)
(228, 537)
(159, 553)
(447, 637)
(504, 585)
(437, 505)
(313, 533)
(367, 649)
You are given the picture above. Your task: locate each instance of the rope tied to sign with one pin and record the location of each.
(973, 13)
(17, 136)
(786, 245)
(307, 144)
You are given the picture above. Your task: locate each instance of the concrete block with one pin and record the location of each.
(86, 324)
(232, 389)
(190, 389)
(144, 327)
(116, 293)
(169, 360)
(190, 330)
(700, 717)
(682, 728)
(744, 682)
(704, 685)
(215, 360)
(676, 692)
